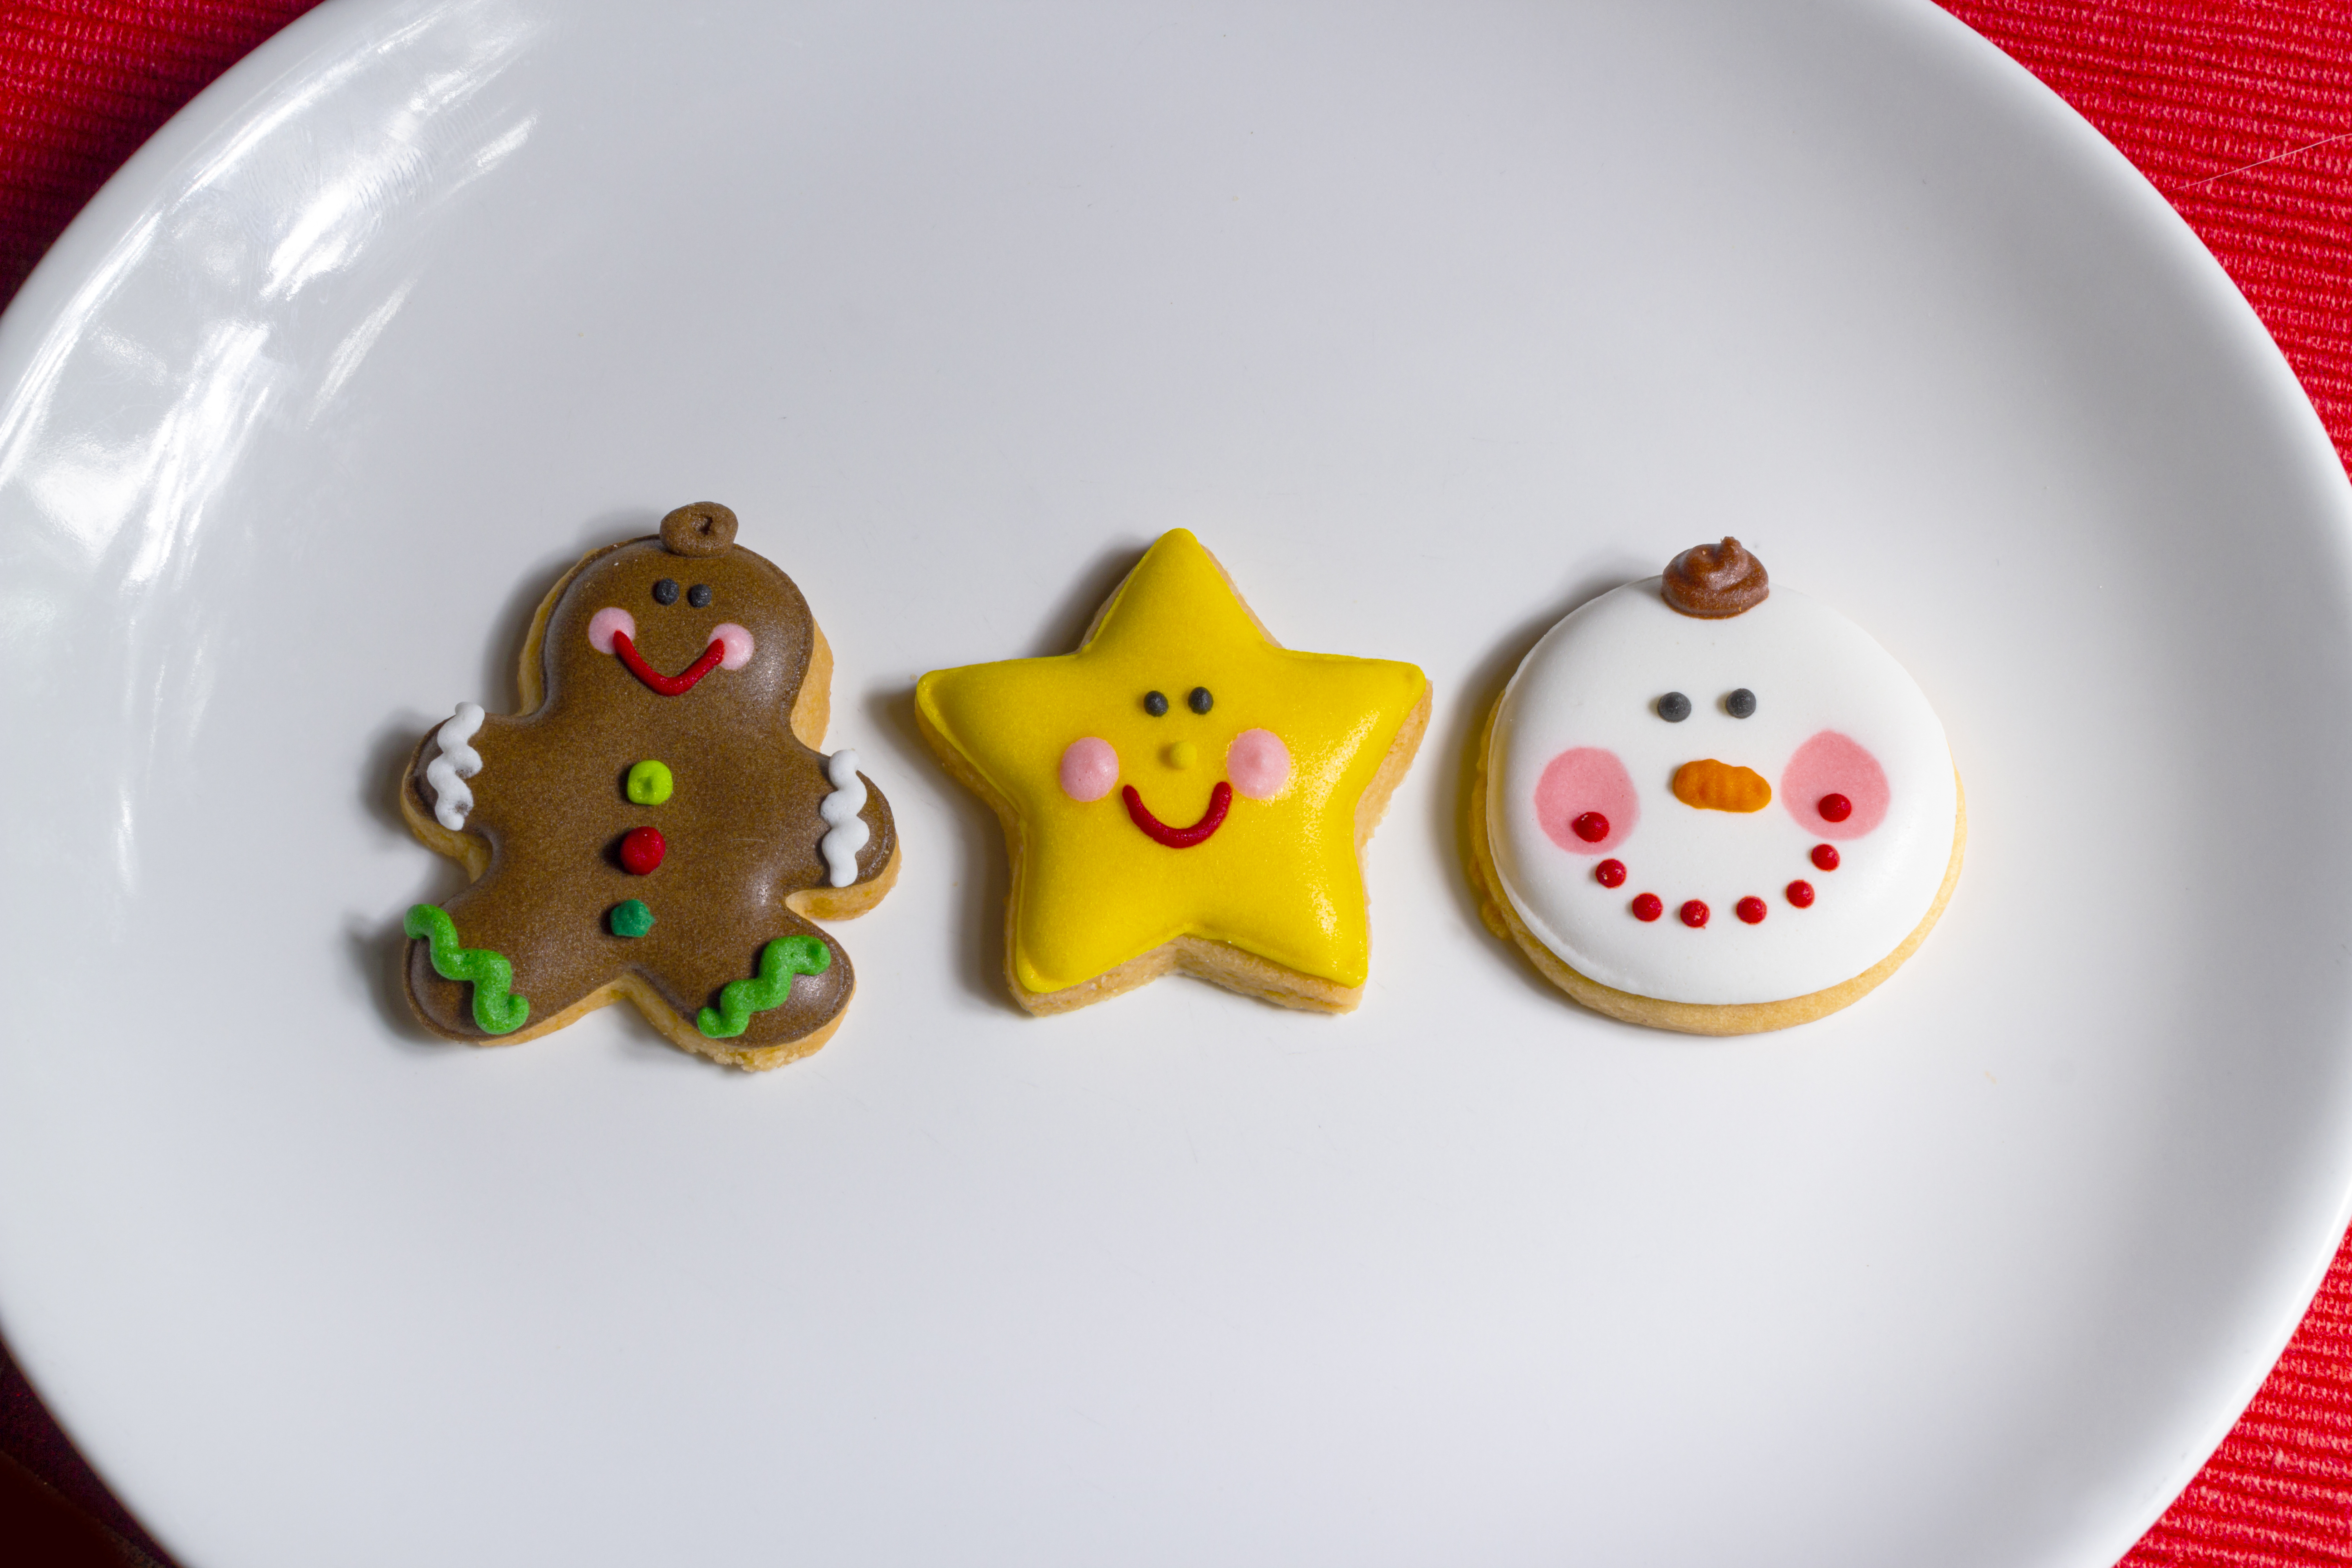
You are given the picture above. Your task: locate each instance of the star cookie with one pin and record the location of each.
(657, 822)
(1182, 792)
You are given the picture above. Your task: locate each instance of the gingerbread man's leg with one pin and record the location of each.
(784, 1001)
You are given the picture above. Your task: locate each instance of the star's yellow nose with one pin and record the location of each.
(1183, 754)
(1711, 785)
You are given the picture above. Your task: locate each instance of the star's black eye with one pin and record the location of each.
(699, 595)
(1199, 701)
(1740, 703)
(665, 591)
(1673, 707)
(1156, 704)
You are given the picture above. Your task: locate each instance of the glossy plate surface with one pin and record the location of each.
(1432, 324)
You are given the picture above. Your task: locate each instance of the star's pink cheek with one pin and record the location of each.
(1835, 787)
(1585, 801)
(1258, 763)
(736, 641)
(1089, 767)
(605, 622)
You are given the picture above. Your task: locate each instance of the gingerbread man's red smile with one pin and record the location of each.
(613, 630)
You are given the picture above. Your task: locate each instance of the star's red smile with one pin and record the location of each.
(1221, 800)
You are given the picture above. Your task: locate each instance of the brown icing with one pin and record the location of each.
(741, 826)
(1714, 582)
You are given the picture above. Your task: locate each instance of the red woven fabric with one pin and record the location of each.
(2241, 113)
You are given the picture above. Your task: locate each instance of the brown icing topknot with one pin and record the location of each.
(1713, 582)
(705, 528)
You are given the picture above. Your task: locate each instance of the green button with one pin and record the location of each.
(631, 918)
(649, 782)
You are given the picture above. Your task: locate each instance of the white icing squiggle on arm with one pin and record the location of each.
(451, 799)
(846, 831)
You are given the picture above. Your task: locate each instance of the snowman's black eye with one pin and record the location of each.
(1199, 701)
(1673, 707)
(700, 595)
(1740, 703)
(665, 591)
(1156, 704)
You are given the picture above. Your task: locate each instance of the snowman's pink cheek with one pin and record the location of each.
(1258, 763)
(1089, 767)
(1585, 801)
(1835, 787)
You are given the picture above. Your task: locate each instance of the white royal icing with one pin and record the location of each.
(845, 832)
(1594, 681)
(458, 761)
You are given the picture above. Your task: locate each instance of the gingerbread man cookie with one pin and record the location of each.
(662, 837)
(1711, 805)
(1182, 792)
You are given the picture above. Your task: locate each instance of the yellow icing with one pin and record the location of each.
(1279, 878)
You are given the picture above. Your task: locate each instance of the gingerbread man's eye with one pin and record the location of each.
(1673, 707)
(665, 591)
(699, 595)
(1156, 704)
(1199, 701)
(1740, 704)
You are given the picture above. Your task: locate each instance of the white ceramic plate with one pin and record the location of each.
(1432, 322)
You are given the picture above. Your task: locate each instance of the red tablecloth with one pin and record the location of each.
(2241, 113)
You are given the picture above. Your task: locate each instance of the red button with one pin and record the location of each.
(641, 849)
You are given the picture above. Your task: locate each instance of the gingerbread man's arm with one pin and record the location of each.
(436, 793)
(860, 848)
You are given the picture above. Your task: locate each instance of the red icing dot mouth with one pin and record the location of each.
(1221, 800)
(1694, 913)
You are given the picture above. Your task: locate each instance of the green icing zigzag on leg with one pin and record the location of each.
(497, 1011)
(779, 961)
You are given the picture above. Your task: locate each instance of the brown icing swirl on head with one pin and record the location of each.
(705, 528)
(1714, 582)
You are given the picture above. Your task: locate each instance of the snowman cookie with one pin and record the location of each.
(1182, 792)
(1710, 804)
(657, 822)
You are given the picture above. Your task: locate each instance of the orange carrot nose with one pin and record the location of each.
(1711, 785)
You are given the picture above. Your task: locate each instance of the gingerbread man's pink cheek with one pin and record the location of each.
(1258, 763)
(1585, 801)
(1835, 787)
(605, 622)
(737, 642)
(1089, 767)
